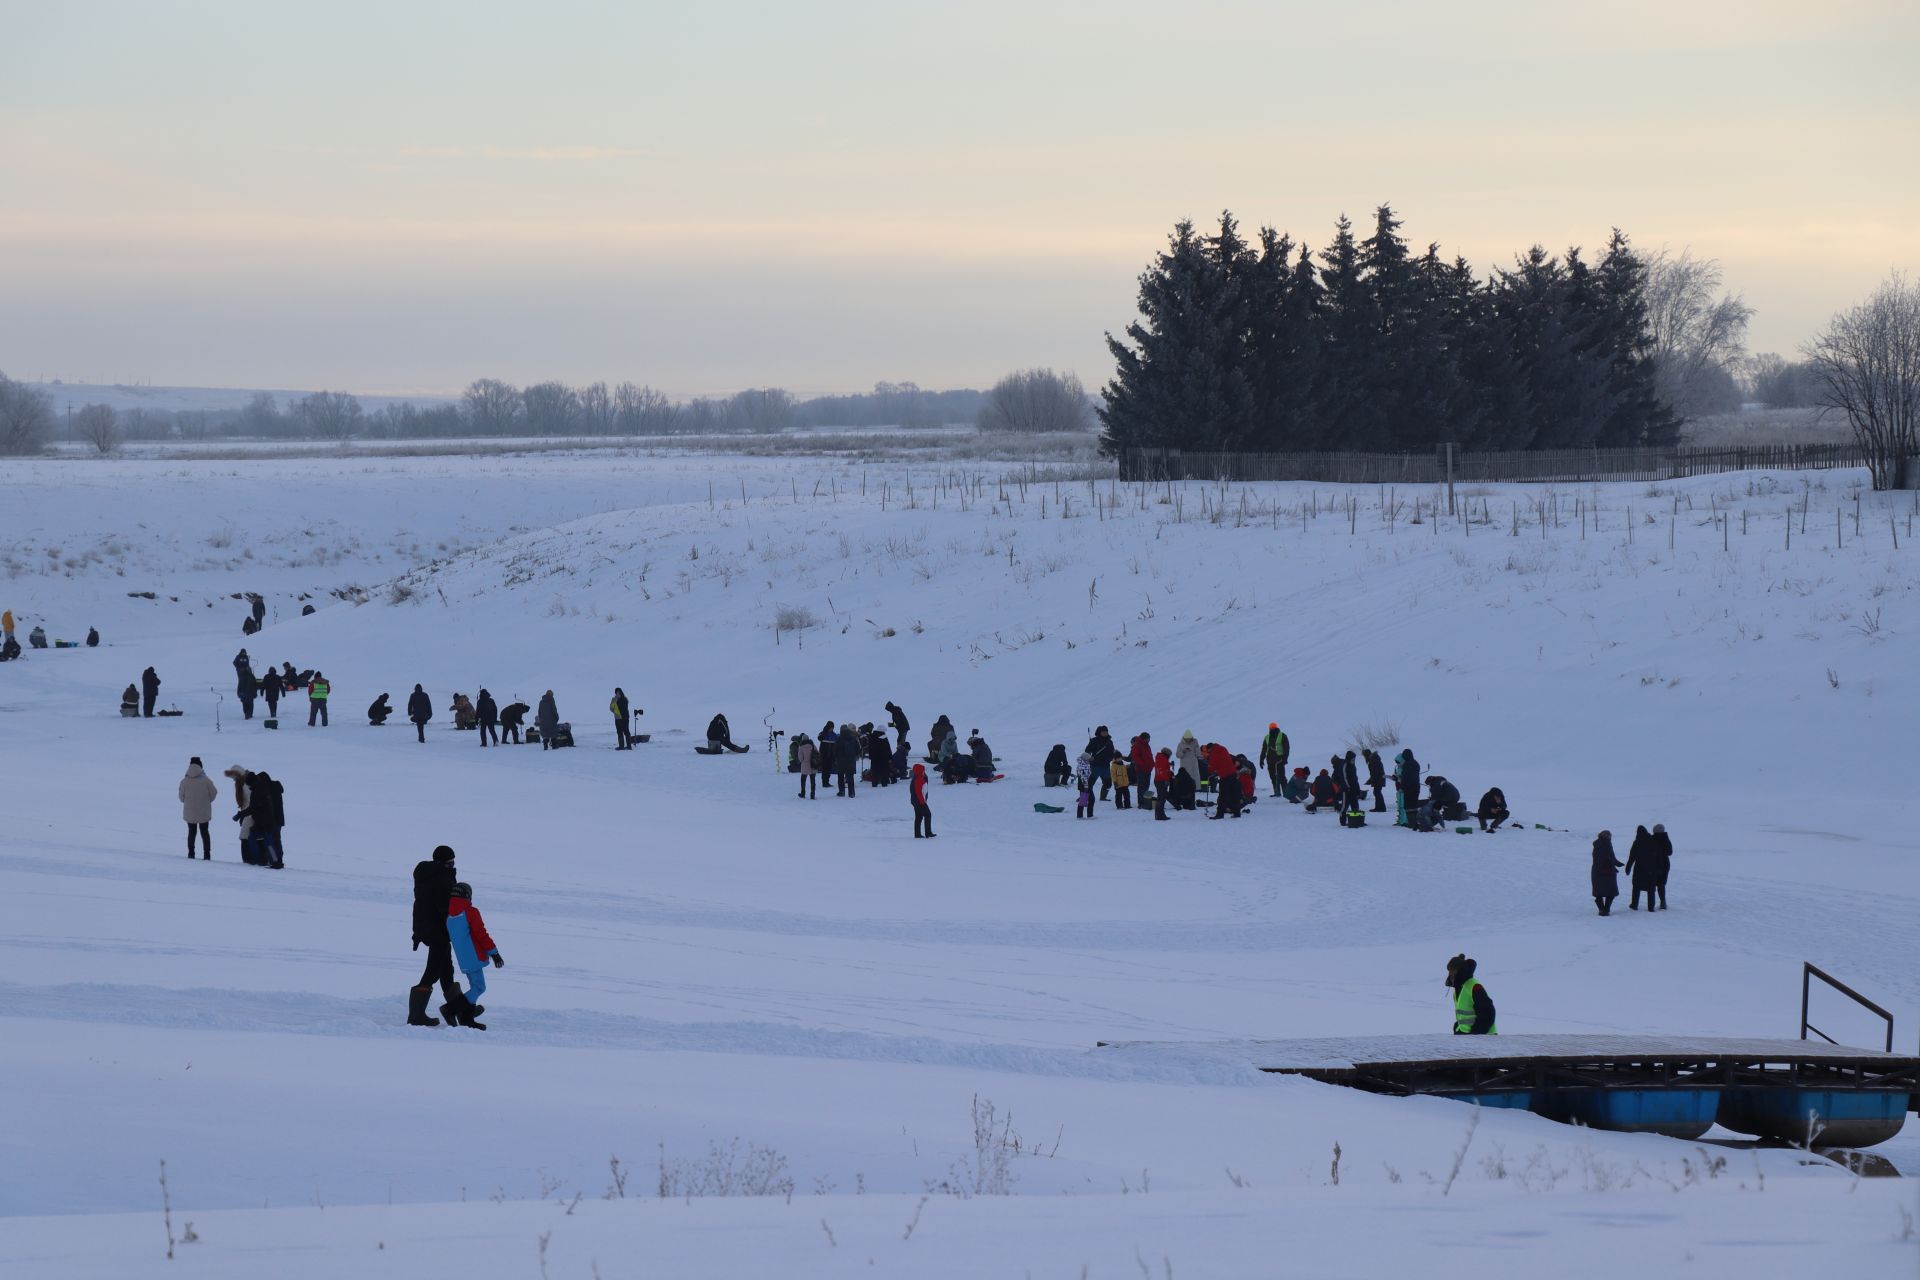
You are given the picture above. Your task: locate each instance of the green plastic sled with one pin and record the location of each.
(1047, 808)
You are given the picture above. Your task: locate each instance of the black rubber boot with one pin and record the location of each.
(458, 1012)
(417, 1008)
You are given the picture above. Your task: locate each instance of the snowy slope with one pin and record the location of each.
(695, 955)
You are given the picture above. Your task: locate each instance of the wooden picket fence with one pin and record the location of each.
(1525, 465)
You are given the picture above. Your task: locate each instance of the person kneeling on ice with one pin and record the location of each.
(1493, 809)
(1472, 1006)
(1058, 772)
(472, 946)
(1325, 792)
(1298, 788)
(922, 814)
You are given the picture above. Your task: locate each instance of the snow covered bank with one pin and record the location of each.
(696, 955)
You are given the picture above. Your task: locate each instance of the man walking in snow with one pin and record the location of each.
(419, 710)
(433, 882)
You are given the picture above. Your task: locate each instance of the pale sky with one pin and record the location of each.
(707, 196)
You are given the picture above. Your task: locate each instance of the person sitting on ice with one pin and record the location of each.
(982, 757)
(1298, 785)
(719, 735)
(1325, 792)
(37, 637)
(473, 947)
(1493, 809)
(130, 701)
(1473, 1010)
(378, 710)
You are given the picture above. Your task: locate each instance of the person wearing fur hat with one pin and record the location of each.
(1473, 1011)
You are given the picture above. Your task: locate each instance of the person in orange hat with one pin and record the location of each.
(1273, 756)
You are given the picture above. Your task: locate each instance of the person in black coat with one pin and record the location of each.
(1350, 782)
(486, 714)
(1442, 797)
(1660, 853)
(378, 710)
(1100, 747)
(1406, 780)
(271, 688)
(1376, 778)
(267, 806)
(511, 717)
(149, 690)
(1606, 883)
(93, 638)
(879, 757)
(1493, 810)
(259, 612)
(419, 710)
(433, 882)
(846, 750)
(248, 689)
(899, 719)
(1058, 772)
(1640, 868)
(982, 755)
(941, 728)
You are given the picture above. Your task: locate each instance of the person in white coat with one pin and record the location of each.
(197, 791)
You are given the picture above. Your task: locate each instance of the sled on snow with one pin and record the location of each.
(1038, 807)
(723, 747)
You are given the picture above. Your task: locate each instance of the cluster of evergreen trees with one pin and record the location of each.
(1259, 347)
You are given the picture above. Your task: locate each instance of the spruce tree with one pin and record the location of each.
(1177, 383)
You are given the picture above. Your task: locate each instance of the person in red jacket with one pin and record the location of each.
(1226, 780)
(1140, 760)
(1162, 781)
(922, 815)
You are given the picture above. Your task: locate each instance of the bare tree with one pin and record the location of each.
(99, 426)
(1780, 383)
(596, 410)
(760, 411)
(552, 408)
(492, 406)
(1869, 366)
(192, 423)
(641, 411)
(261, 417)
(1697, 338)
(1037, 400)
(25, 415)
(328, 415)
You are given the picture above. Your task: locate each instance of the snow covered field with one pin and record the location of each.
(725, 987)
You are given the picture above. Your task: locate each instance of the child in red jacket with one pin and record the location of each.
(922, 815)
(472, 944)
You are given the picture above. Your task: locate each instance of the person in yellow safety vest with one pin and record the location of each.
(1472, 1006)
